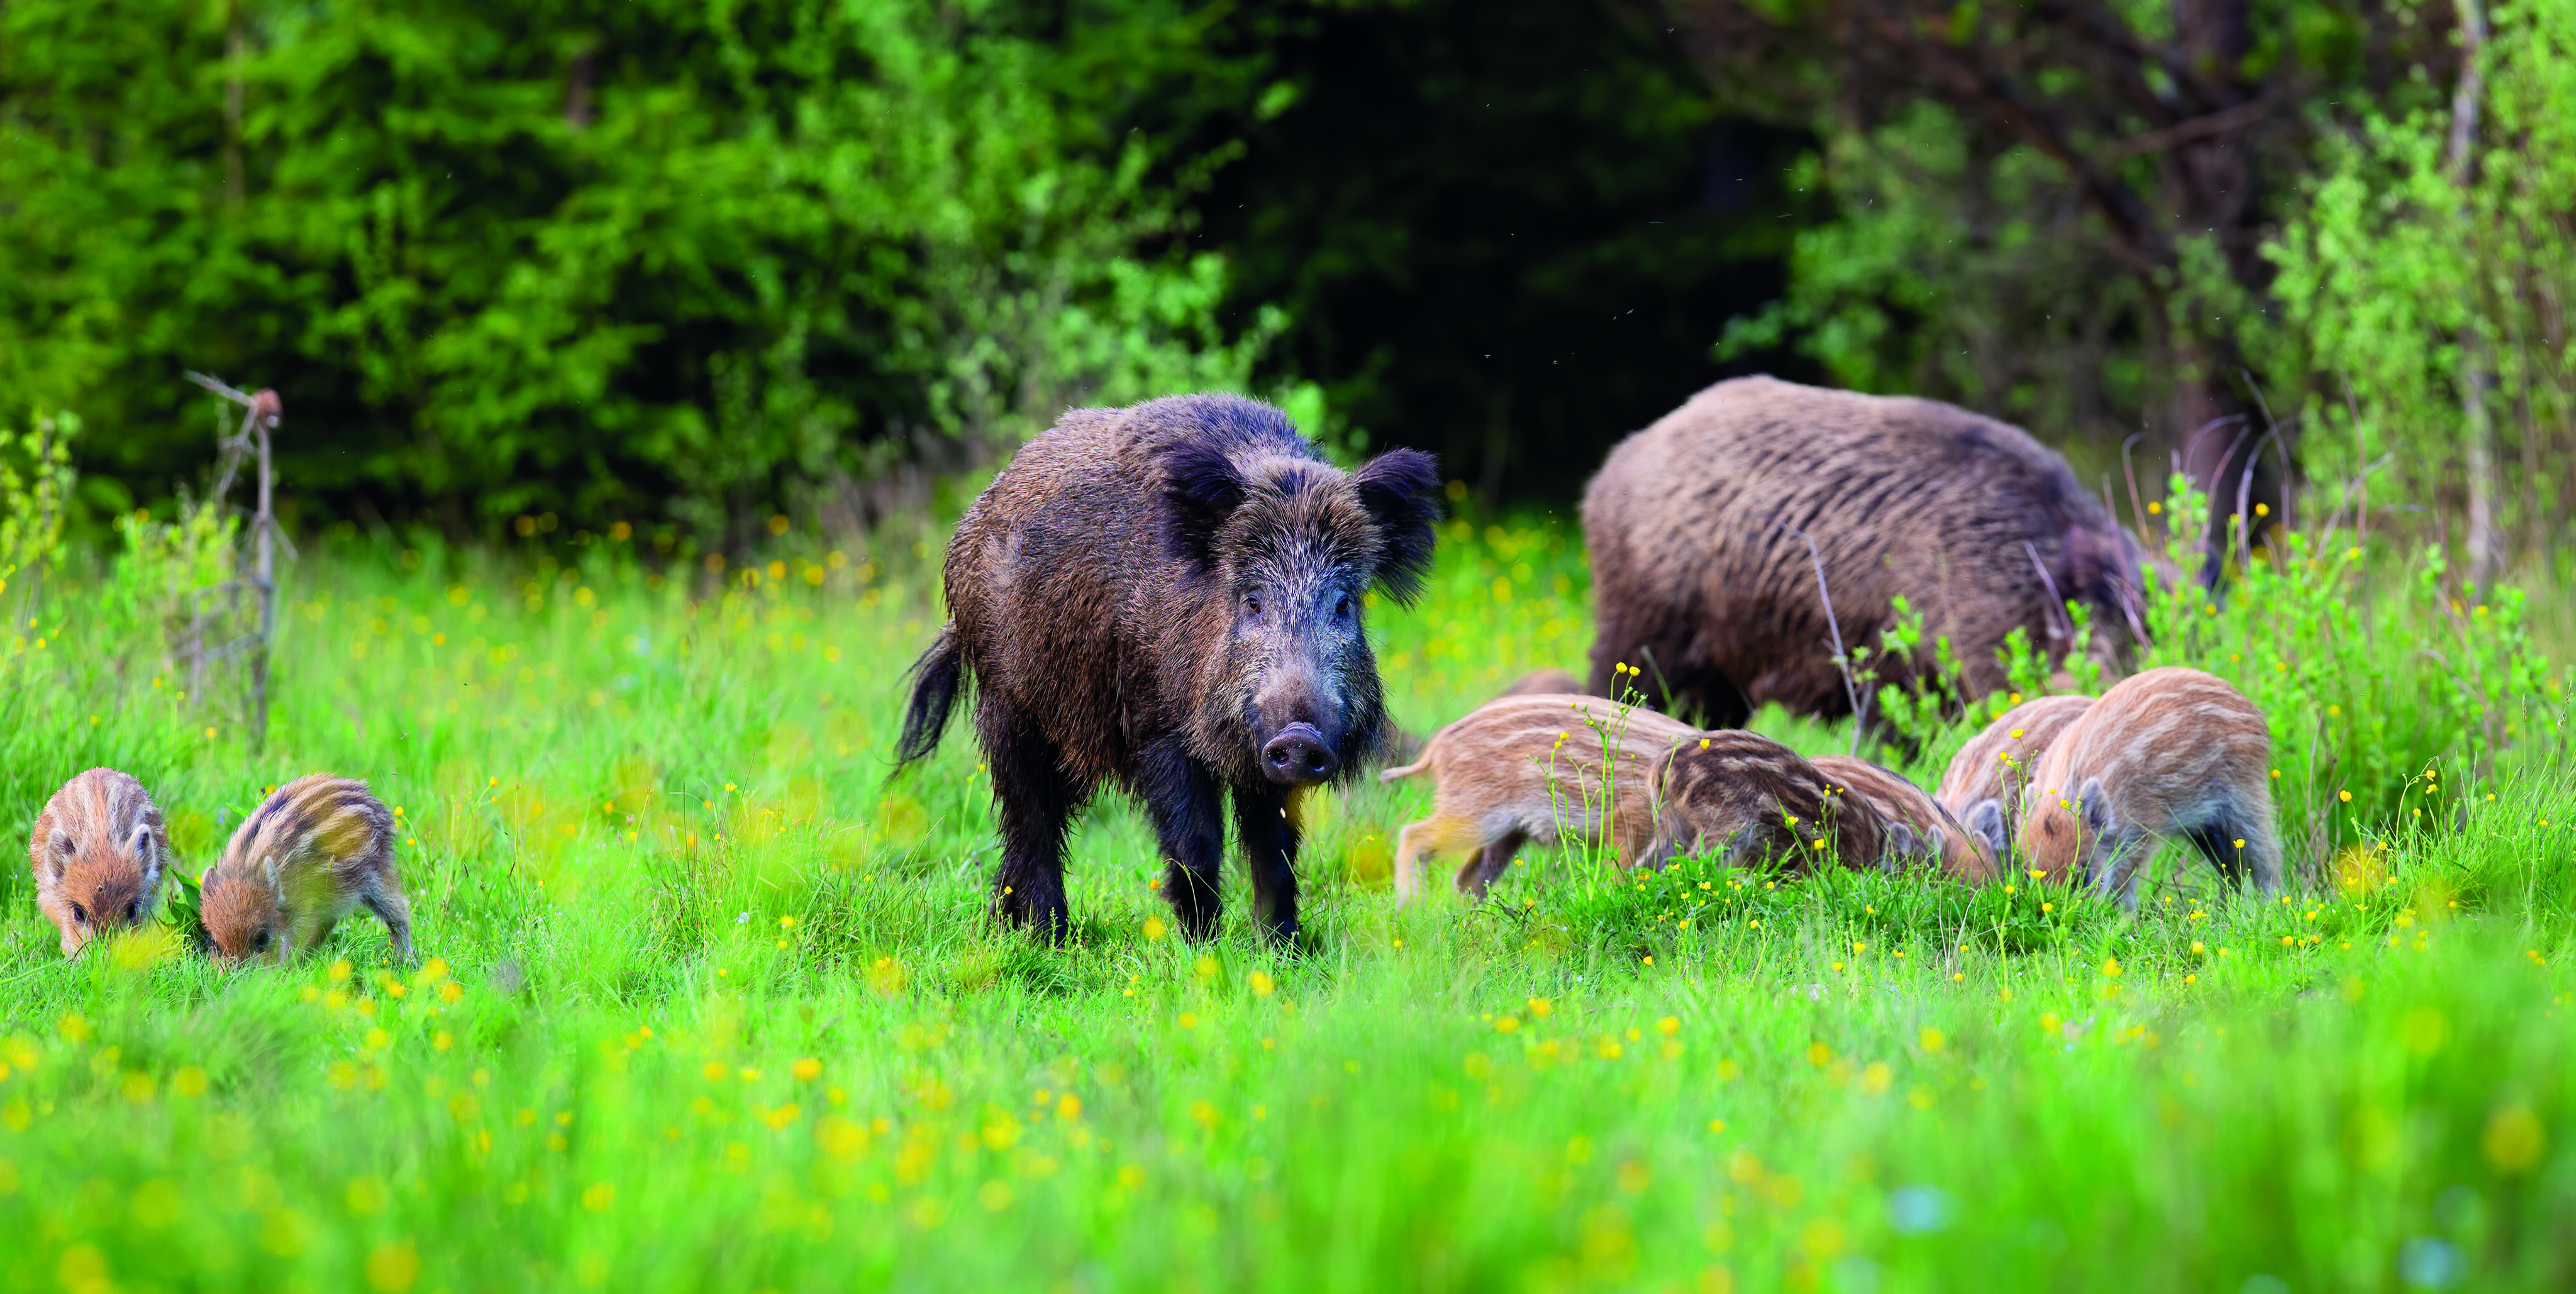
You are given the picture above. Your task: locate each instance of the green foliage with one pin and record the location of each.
(2392, 264)
(35, 488)
(159, 578)
(1926, 280)
(630, 260)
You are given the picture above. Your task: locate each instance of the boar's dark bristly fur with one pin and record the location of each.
(1698, 529)
(1168, 598)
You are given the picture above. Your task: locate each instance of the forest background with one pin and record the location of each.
(694, 266)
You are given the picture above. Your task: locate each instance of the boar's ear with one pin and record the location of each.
(1401, 490)
(1203, 489)
(2095, 805)
(1985, 819)
(1901, 843)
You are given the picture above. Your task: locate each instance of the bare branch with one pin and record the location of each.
(2226, 121)
(1842, 659)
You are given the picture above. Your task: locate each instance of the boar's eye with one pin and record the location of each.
(262, 941)
(80, 914)
(1342, 607)
(1252, 604)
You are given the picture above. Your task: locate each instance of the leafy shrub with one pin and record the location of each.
(648, 258)
(2411, 266)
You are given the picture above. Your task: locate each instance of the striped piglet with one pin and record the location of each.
(316, 850)
(97, 851)
(2169, 752)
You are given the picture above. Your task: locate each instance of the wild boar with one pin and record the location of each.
(1169, 597)
(98, 851)
(1520, 769)
(1702, 575)
(1982, 786)
(317, 849)
(1918, 828)
(1753, 799)
(2169, 752)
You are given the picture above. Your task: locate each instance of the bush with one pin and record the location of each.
(624, 261)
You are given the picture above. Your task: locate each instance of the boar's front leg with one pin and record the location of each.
(1181, 796)
(1036, 800)
(1269, 835)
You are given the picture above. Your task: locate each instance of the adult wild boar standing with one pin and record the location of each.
(1703, 579)
(1167, 597)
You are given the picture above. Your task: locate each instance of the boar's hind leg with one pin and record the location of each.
(1181, 795)
(386, 900)
(1270, 849)
(1486, 866)
(2260, 859)
(1036, 800)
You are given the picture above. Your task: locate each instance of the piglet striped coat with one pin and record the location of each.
(97, 851)
(2167, 753)
(314, 851)
(1982, 786)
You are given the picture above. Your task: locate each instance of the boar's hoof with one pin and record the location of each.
(1298, 757)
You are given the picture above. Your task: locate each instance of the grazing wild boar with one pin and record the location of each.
(1983, 785)
(1168, 597)
(1918, 828)
(97, 852)
(1528, 768)
(1755, 799)
(1700, 575)
(2169, 752)
(314, 851)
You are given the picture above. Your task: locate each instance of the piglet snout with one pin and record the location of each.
(1298, 756)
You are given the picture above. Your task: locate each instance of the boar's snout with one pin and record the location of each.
(1298, 757)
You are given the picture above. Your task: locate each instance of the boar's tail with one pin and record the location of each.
(1419, 763)
(935, 678)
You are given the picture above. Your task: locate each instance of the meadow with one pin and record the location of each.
(707, 1000)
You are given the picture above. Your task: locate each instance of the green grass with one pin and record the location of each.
(714, 1005)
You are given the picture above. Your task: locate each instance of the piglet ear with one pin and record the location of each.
(1203, 489)
(1401, 490)
(145, 854)
(2095, 804)
(1902, 843)
(1985, 820)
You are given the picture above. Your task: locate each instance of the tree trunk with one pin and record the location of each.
(2477, 379)
(234, 182)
